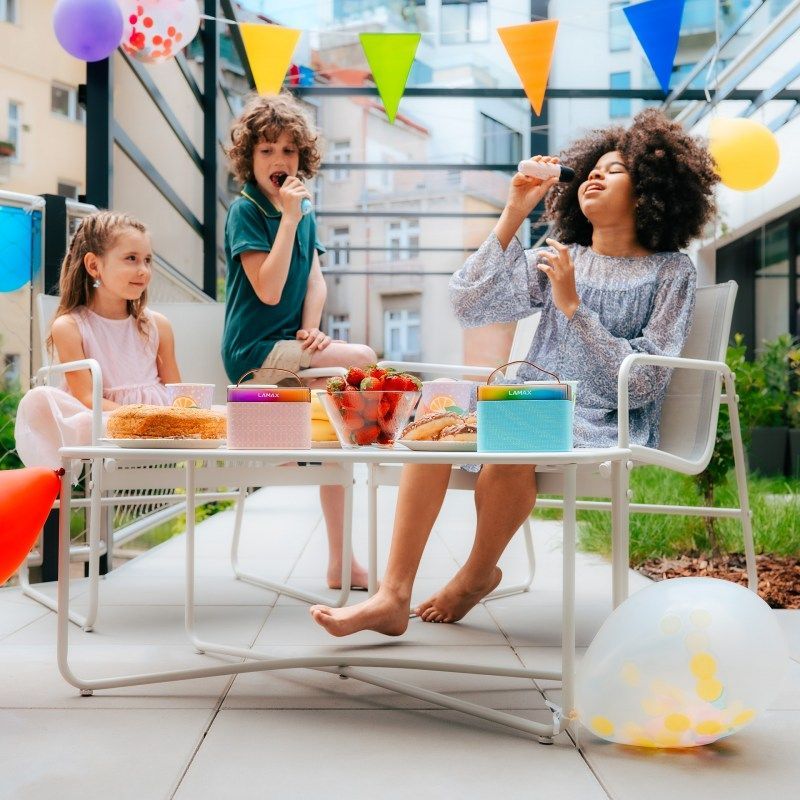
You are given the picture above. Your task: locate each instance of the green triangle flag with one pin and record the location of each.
(390, 57)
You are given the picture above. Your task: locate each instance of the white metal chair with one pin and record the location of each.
(688, 433)
(151, 489)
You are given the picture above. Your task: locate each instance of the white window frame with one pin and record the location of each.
(339, 326)
(340, 154)
(401, 321)
(402, 239)
(339, 247)
(15, 128)
(472, 32)
(9, 11)
(74, 110)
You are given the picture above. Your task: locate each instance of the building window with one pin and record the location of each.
(8, 11)
(403, 239)
(339, 247)
(464, 21)
(501, 144)
(340, 154)
(15, 127)
(619, 31)
(64, 102)
(67, 189)
(401, 335)
(11, 370)
(620, 106)
(339, 327)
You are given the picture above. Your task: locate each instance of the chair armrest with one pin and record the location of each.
(97, 388)
(445, 370)
(322, 372)
(672, 362)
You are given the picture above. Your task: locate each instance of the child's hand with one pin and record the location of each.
(560, 272)
(292, 193)
(313, 339)
(526, 192)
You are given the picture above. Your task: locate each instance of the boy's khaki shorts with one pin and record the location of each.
(287, 354)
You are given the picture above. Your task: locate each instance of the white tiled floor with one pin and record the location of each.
(310, 734)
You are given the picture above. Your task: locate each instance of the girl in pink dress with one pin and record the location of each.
(102, 315)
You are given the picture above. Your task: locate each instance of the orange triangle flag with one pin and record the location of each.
(530, 48)
(269, 51)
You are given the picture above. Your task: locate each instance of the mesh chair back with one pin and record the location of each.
(691, 406)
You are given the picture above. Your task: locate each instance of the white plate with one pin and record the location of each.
(439, 447)
(166, 444)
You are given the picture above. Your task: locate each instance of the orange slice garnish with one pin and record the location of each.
(441, 402)
(184, 402)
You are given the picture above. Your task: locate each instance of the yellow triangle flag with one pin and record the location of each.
(269, 50)
(390, 57)
(530, 48)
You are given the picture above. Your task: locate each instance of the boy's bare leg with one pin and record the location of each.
(332, 501)
(504, 497)
(422, 491)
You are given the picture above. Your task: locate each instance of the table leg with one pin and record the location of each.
(568, 594)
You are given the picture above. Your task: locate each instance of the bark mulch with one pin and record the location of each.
(778, 576)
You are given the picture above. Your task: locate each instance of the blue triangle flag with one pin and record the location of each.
(657, 25)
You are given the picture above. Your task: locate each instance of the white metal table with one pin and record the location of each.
(216, 467)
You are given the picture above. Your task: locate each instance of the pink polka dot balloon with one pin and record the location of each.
(156, 30)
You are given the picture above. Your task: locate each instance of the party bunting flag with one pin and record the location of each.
(657, 25)
(530, 48)
(269, 51)
(390, 57)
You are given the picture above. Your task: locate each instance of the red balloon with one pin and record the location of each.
(26, 497)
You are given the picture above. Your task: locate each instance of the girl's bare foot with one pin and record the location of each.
(358, 576)
(453, 602)
(386, 613)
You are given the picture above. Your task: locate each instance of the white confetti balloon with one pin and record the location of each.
(681, 663)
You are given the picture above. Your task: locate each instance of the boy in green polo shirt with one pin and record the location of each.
(275, 287)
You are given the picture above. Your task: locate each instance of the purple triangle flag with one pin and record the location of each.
(657, 25)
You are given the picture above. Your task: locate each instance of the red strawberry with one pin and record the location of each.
(352, 420)
(384, 437)
(351, 399)
(355, 375)
(367, 435)
(375, 372)
(394, 383)
(371, 384)
(413, 384)
(337, 384)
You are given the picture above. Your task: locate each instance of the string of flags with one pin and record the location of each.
(156, 30)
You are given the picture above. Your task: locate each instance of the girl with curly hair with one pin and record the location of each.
(275, 287)
(611, 282)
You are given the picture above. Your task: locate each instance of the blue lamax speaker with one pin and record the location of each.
(508, 426)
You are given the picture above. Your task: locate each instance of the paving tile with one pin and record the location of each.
(68, 754)
(31, 678)
(386, 754)
(759, 761)
(236, 625)
(310, 689)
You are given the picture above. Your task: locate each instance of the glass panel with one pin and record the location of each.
(772, 284)
(619, 107)
(59, 99)
(619, 31)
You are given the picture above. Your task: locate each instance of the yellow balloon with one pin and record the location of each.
(746, 152)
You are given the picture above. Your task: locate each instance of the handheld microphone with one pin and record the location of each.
(306, 207)
(544, 170)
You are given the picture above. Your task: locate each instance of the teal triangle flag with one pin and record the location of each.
(657, 25)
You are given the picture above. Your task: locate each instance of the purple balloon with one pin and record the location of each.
(88, 29)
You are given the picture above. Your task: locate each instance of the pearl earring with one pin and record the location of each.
(97, 283)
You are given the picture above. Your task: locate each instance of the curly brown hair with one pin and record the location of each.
(673, 177)
(266, 118)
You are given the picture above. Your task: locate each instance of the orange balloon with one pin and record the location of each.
(26, 497)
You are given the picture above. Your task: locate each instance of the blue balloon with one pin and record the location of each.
(20, 247)
(88, 29)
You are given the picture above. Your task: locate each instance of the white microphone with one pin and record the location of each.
(544, 170)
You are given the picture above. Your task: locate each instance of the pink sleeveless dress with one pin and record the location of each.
(49, 418)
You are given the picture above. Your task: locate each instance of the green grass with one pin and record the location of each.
(775, 503)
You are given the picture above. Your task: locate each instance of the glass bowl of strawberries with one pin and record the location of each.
(370, 405)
